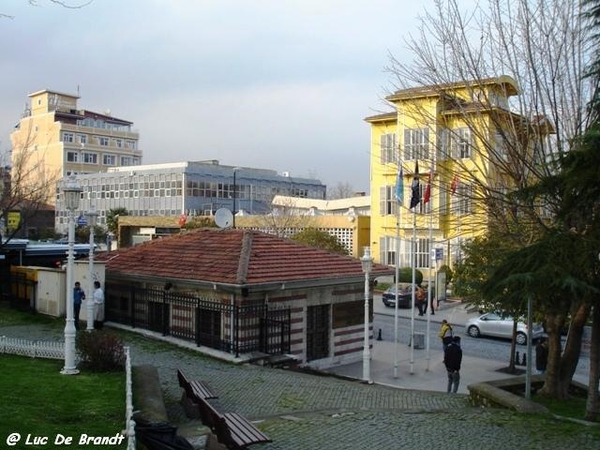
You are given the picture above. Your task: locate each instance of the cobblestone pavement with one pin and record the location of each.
(305, 411)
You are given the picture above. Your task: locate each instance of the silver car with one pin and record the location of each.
(492, 324)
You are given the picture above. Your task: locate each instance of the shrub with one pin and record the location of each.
(449, 273)
(101, 351)
(405, 275)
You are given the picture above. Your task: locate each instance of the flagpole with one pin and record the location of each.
(399, 203)
(414, 273)
(429, 299)
(396, 306)
(414, 201)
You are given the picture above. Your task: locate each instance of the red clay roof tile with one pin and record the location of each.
(233, 257)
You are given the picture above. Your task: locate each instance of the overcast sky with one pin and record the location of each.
(273, 84)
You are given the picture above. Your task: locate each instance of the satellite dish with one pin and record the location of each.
(223, 218)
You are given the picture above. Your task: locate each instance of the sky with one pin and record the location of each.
(274, 84)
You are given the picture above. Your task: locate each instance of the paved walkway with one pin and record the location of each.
(304, 411)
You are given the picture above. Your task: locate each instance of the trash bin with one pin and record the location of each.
(419, 340)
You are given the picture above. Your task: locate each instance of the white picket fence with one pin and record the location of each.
(56, 350)
(35, 349)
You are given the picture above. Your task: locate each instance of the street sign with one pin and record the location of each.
(81, 221)
(439, 254)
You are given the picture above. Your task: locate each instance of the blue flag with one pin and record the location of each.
(400, 185)
(415, 198)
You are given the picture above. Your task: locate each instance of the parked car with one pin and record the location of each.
(495, 325)
(404, 295)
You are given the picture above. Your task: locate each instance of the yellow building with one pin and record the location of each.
(455, 133)
(55, 138)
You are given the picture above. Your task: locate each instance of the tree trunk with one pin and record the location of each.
(572, 352)
(554, 323)
(592, 407)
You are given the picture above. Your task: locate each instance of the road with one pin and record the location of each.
(488, 348)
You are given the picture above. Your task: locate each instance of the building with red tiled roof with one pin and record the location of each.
(242, 291)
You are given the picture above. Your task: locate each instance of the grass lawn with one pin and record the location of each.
(38, 400)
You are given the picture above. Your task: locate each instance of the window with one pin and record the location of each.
(103, 141)
(82, 138)
(388, 250)
(126, 161)
(501, 146)
(131, 144)
(421, 253)
(461, 143)
(89, 158)
(387, 201)
(68, 137)
(462, 200)
(72, 156)
(416, 143)
(119, 143)
(388, 148)
(109, 160)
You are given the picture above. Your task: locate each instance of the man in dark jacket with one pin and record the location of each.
(452, 360)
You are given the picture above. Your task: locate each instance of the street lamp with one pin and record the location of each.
(92, 216)
(367, 265)
(71, 193)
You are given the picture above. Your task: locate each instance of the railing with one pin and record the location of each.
(129, 422)
(202, 320)
(35, 349)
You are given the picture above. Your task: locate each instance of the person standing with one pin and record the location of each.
(421, 300)
(78, 297)
(445, 334)
(541, 356)
(452, 361)
(98, 299)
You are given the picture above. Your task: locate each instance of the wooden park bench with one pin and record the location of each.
(193, 392)
(231, 429)
(195, 389)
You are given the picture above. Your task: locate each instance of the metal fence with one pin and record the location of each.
(22, 293)
(202, 320)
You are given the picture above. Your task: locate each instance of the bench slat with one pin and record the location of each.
(242, 431)
(195, 389)
(202, 390)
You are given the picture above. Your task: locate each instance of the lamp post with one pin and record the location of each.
(92, 216)
(367, 264)
(71, 193)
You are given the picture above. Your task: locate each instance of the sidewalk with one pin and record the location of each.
(422, 369)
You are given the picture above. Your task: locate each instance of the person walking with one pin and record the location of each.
(78, 297)
(445, 334)
(541, 356)
(98, 299)
(452, 361)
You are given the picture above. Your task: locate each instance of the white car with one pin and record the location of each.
(492, 324)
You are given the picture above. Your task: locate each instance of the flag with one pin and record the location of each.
(400, 185)
(427, 194)
(415, 198)
(454, 185)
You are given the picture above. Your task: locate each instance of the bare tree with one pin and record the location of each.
(533, 53)
(64, 4)
(341, 190)
(27, 187)
(283, 219)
